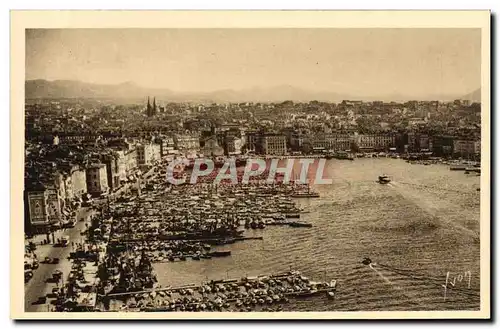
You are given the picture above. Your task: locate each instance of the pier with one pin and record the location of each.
(249, 293)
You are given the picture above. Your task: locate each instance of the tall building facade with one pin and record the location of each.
(274, 144)
(97, 179)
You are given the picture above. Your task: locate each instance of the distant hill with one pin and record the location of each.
(275, 94)
(76, 89)
(474, 96)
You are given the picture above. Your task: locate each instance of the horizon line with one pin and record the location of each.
(202, 93)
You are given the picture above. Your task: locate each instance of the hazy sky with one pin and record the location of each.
(416, 62)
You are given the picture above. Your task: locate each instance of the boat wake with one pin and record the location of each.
(423, 278)
(433, 189)
(393, 285)
(383, 277)
(435, 208)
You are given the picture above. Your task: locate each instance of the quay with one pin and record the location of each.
(248, 293)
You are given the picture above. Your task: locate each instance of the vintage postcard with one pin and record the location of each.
(250, 165)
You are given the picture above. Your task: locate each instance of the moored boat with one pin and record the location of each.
(299, 224)
(220, 253)
(305, 195)
(458, 167)
(472, 169)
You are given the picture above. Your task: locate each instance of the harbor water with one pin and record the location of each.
(421, 230)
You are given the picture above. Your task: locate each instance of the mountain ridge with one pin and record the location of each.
(41, 88)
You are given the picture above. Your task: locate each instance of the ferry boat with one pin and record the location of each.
(384, 179)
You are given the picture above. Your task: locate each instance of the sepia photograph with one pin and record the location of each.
(301, 165)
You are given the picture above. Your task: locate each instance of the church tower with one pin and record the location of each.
(148, 109)
(154, 106)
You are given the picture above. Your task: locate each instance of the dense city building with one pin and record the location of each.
(65, 140)
(375, 142)
(97, 179)
(148, 153)
(187, 142)
(274, 144)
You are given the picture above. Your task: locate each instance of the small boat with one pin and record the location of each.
(306, 293)
(366, 261)
(473, 169)
(220, 253)
(384, 179)
(299, 224)
(331, 294)
(305, 195)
